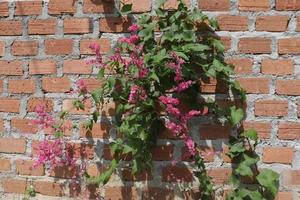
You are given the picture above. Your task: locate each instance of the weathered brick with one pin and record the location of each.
(114, 24)
(21, 86)
(59, 46)
(289, 131)
(175, 173)
(275, 23)
(214, 5)
(287, 4)
(103, 43)
(254, 5)
(241, 65)
(162, 152)
(4, 9)
(157, 193)
(9, 105)
(100, 130)
(139, 176)
(263, 128)
(255, 45)
(61, 7)
(42, 67)
(272, 108)
(24, 125)
(10, 27)
(12, 145)
(2, 48)
(97, 6)
(76, 67)
(28, 7)
(48, 188)
(289, 45)
(42, 26)
(121, 193)
(233, 23)
(34, 102)
(5, 165)
(11, 68)
(24, 48)
(277, 67)
(284, 155)
(14, 186)
(139, 6)
(219, 176)
(26, 167)
(213, 132)
(68, 105)
(255, 85)
(288, 87)
(77, 25)
(56, 84)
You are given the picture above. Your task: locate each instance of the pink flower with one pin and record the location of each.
(190, 144)
(134, 39)
(183, 86)
(82, 86)
(133, 28)
(169, 100)
(44, 119)
(137, 93)
(174, 128)
(173, 111)
(98, 59)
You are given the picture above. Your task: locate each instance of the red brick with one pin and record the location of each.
(277, 67)
(255, 45)
(213, 132)
(272, 23)
(288, 87)
(68, 105)
(58, 47)
(255, 85)
(292, 177)
(2, 48)
(4, 164)
(226, 42)
(34, 102)
(28, 7)
(42, 26)
(2, 125)
(214, 5)
(158, 193)
(14, 186)
(1, 86)
(101, 6)
(77, 25)
(64, 172)
(284, 155)
(162, 152)
(254, 5)
(241, 65)
(233, 23)
(10, 27)
(48, 188)
(42, 67)
(263, 128)
(81, 150)
(11, 68)
(287, 4)
(289, 45)
(26, 167)
(213, 86)
(24, 125)
(114, 193)
(4, 9)
(173, 4)
(284, 196)
(289, 131)
(67, 128)
(175, 173)
(9, 105)
(207, 153)
(219, 176)
(12, 145)
(104, 44)
(95, 169)
(56, 84)
(114, 24)
(272, 108)
(60, 7)
(138, 6)
(21, 86)
(24, 48)
(100, 130)
(77, 67)
(139, 176)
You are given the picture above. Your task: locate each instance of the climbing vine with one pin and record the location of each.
(154, 77)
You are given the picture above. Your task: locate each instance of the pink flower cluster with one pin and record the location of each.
(45, 120)
(82, 86)
(97, 60)
(137, 93)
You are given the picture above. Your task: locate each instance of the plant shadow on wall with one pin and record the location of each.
(161, 83)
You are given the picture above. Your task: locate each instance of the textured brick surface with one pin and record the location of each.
(44, 46)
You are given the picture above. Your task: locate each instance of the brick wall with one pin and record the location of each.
(42, 49)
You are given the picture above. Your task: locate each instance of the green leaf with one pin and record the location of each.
(196, 47)
(251, 134)
(236, 115)
(153, 76)
(218, 45)
(214, 23)
(269, 180)
(126, 9)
